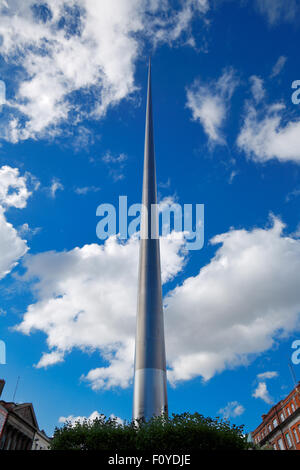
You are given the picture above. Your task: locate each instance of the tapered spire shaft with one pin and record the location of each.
(150, 385)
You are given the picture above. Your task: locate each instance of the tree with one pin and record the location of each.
(180, 433)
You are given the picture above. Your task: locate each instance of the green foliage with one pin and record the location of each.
(178, 434)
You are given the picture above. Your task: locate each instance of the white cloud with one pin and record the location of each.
(278, 10)
(267, 375)
(180, 22)
(12, 247)
(26, 231)
(257, 88)
(86, 298)
(14, 192)
(84, 47)
(243, 300)
(233, 174)
(109, 158)
(119, 373)
(87, 189)
(266, 135)
(232, 410)
(278, 66)
(209, 104)
(13, 188)
(115, 164)
(262, 392)
(55, 186)
(48, 359)
(93, 416)
(296, 234)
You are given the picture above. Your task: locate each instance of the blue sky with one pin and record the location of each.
(227, 135)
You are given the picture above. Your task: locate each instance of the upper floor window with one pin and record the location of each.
(293, 407)
(270, 428)
(281, 445)
(296, 435)
(275, 423)
(289, 411)
(282, 417)
(288, 439)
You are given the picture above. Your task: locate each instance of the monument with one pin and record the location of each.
(150, 381)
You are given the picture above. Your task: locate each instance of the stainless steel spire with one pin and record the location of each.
(150, 384)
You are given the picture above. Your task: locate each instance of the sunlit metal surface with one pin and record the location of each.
(150, 389)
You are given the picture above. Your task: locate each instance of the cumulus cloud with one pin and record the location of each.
(14, 192)
(242, 301)
(12, 247)
(86, 298)
(78, 58)
(93, 416)
(232, 410)
(48, 359)
(245, 298)
(209, 104)
(267, 134)
(262, 392)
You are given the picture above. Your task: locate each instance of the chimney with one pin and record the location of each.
(2, 383)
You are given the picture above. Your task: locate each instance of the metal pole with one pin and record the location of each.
(150, 383)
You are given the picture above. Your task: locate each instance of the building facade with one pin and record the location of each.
(280, 427)
(40, 441)
(19, 428)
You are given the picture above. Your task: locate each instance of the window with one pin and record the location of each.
(270, 428)
(293, 407)
(282, 417)
(289, 411)
(288, 439)
(280, 443)
(275, 423)
(296, 435)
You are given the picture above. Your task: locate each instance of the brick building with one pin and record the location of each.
(280, 427)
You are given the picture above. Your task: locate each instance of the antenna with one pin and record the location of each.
(294, 377)
(16, 388)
